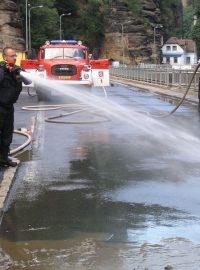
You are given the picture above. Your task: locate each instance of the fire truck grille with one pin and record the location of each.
(63, 70)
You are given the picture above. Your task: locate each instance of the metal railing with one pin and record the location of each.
(158, 74)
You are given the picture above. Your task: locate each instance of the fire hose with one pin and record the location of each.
(22, 146)
(79, 108)
(182, 99)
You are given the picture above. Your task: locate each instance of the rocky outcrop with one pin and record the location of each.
(133, 39)
(10, 26)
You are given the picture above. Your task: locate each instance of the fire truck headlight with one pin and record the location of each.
(86, 76)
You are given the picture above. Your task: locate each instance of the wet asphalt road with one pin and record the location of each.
(104, 195)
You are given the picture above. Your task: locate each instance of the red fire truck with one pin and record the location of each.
(68, 62)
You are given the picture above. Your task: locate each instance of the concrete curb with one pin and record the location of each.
(8, 176)
(6, 184)
(173, 92)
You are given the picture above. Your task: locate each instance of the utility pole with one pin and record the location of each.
(68, 14)
(30, 8)
(26, 8)
(122, 40)
(122, 26)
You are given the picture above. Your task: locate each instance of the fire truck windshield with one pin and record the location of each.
(63, 53)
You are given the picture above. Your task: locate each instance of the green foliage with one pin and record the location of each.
(135, 6)
(47, 18)
(64, 6)
(188, 14)
(92, 23)
(196, 36)
(86, 21)
(171, 13)
(196, 28)
(170, 3)
(45, 3)
(197, 8)
(44, 22)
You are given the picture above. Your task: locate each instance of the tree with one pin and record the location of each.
(196, 29)
(44, 21)
(46, 25)
(64, 6)
(188, 15)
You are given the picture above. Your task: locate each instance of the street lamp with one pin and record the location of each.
(68, 14)
(122, 43)
(122, 26)
(29, 16)
(157, 26)
(26, 25)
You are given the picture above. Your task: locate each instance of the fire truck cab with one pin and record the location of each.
(68, 62)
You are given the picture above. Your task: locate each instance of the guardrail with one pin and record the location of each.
(158, 74)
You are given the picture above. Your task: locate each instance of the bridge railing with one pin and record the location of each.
(158, 74)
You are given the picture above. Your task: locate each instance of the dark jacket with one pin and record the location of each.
(10, 86)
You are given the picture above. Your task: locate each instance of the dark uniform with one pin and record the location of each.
(10, 88)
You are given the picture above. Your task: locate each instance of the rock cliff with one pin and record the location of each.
(133, 39)
(10, 26)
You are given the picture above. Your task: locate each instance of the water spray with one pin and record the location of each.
(82, 108)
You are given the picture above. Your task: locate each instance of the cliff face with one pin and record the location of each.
(134, 39)
(128, 38)
(10, 27)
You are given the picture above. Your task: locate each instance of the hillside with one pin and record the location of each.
(143, 31)
(128, 29)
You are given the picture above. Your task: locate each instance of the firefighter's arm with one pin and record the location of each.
(17, 70)
(3, 68)
(1, 74)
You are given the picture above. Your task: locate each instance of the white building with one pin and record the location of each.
(179, 52)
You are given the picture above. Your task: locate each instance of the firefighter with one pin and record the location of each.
(10, 88)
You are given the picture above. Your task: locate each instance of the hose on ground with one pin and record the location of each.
(51, 119)
(79, 107)
(182, 99)
(21, 147)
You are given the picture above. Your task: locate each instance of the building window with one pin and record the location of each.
(188, 60)
(174, 48)
(175, 60)
(168, 48)
(167, 60)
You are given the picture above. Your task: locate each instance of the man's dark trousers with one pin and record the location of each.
(6, 129)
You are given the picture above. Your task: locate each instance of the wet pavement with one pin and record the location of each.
(104, 195)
